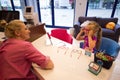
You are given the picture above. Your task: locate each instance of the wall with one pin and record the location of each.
(80, 9)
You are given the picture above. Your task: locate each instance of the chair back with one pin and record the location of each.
(36, 32)
(110, 46)
(62, 35)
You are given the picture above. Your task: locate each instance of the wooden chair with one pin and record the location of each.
(36, 32)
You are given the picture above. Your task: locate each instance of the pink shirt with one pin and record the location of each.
(16, 57)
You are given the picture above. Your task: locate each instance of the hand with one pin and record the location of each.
(90, 33)
(49, 65)
(82, 30)
(89, 49)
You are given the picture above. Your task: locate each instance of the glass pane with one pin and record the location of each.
(100, 8)
(117, 12)
(19, 6)
(45, 9)
(5, 5)
(64, 12)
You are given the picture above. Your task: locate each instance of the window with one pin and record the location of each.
(100, 8)
(57, 12)
(19, 6)
(5, 5)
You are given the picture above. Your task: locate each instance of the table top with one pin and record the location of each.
(70, 62)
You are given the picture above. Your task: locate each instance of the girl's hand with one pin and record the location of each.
(80, 35)
(90, 33)
(85, 31)
(82, 30)
(88, 49)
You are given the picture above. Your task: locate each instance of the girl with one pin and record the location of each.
(91, 34)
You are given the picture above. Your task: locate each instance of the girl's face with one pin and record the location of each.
(24, 32)
(89, 30)
(86, 29)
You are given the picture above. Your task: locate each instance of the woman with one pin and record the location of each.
(17, 55)
(91, 34)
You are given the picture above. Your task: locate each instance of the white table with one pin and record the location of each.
(69, 62)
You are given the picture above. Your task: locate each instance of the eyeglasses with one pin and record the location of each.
(86, 29)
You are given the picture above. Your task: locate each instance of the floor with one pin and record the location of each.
(116, 72)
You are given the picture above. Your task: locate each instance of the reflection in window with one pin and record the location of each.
(64, 12)
(100, 8)
(19, 6)
(5, 5)
(46, 14)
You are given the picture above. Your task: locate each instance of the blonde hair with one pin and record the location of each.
(3, 23)
(11, 27)
(96, 28)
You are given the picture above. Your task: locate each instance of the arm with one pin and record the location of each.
(91, 41)
(80, 35)
(33, 55)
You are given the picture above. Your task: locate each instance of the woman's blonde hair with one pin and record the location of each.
(11, 27)
(97, 28)
(3, 23)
